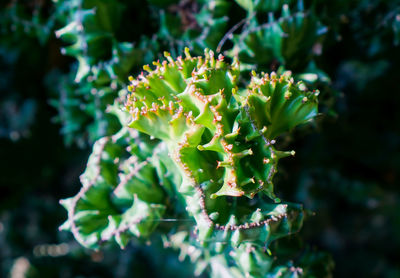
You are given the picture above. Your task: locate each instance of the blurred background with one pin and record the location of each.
(56, 55)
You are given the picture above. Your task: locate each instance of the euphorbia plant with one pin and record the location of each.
(199, 145)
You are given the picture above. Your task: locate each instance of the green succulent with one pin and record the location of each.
(288, 40)
(209, 123)
(211, 149)
(121, 196)
(103, 64)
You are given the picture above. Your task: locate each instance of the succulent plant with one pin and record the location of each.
(195, 105)
(121, 195)
(288, 40)
(210, 151)
(103, 64)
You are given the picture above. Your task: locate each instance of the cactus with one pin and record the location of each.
(103, 64)
(288, 40)
(210, 156)
(197, 104)
(120, 196)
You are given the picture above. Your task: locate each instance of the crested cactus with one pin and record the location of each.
(211, 125)
(210, 156)
(221, 137)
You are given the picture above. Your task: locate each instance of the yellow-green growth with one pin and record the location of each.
(215, 131)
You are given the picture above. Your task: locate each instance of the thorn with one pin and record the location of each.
(223, 164)
(187, 53)
(147, 68)
(285, 10)
(218, 118)
(228, 147)
(207, 53)
(157, 63)
(264, 130)
(288, 94)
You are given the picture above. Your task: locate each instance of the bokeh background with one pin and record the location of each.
(346, 168)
